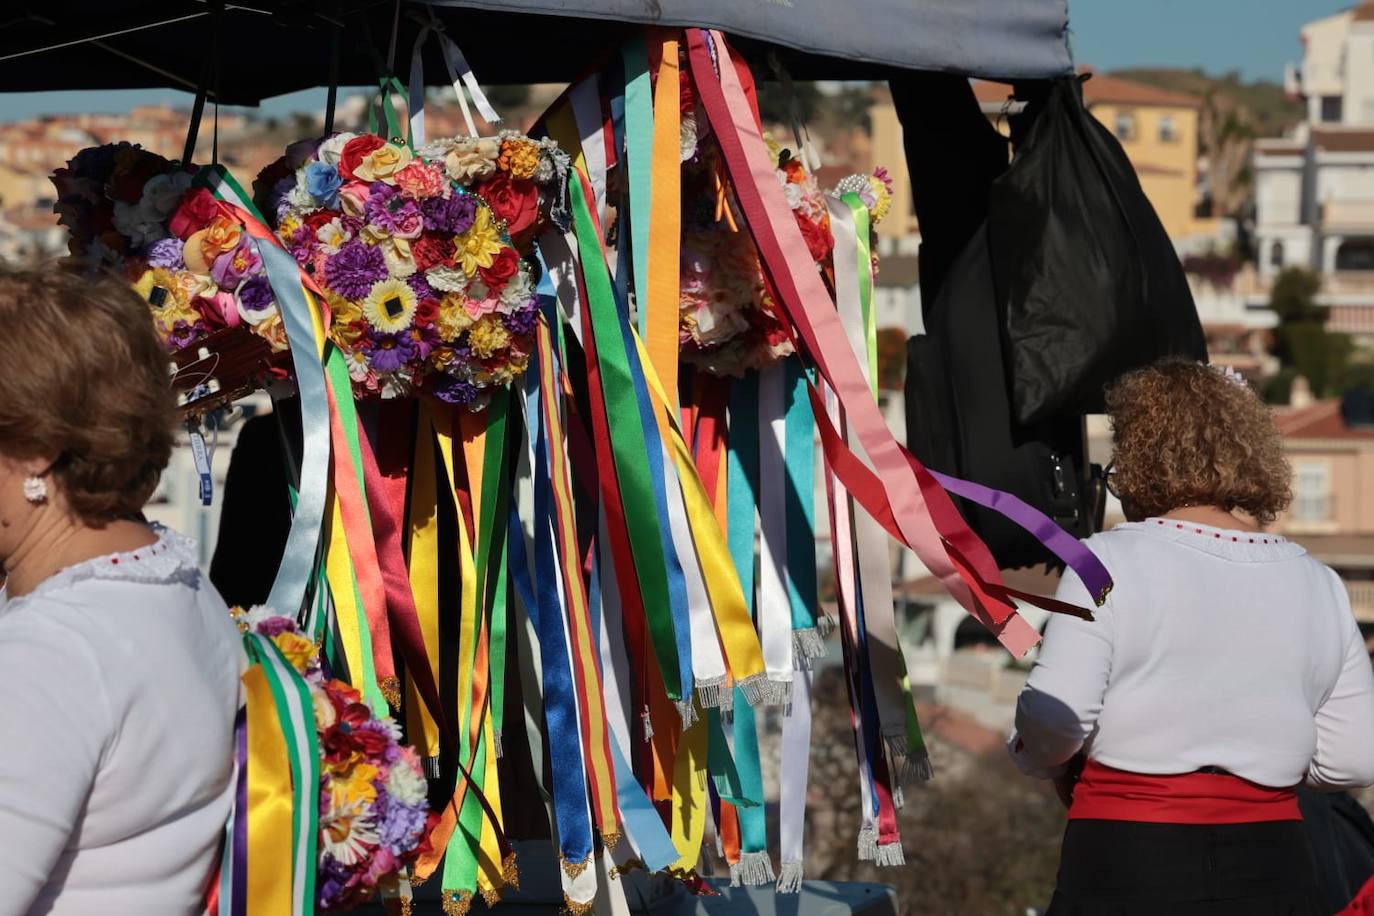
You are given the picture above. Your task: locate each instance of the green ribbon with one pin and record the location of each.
(861, 233)
(628, 445)
(800, 454)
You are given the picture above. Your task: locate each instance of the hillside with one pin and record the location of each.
(1269, 106)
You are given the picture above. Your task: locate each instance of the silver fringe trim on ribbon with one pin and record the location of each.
(753, 869)
(906, 766)
(496, 744)
(868, 843)
(715, 693)
(760, 690)
(889, 855)
(648, 724)
(807, 644)
(687, 710)
(825, 625)
(431, 767)
(790, 878)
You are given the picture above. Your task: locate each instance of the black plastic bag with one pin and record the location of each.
(1087, 282)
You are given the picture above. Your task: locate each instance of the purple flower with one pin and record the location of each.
(400, 825)
(303, 245)
(333, 878)
(256, 295)
(391, 352)
(450, 214)
(388, 210)
(184, 333)
(425, 340)
(453, 390)
(352, 271)
(422, 288)
(275, 626)
(166, 253)
(233, 267)
(521, 321)
(278, 194)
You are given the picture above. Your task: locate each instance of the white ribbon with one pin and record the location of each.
(796, 762)
(775, 609)
(615, 661)
(459, 74)
(872, 545)
(585, 98)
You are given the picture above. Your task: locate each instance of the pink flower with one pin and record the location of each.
(353, 197)
(476, 308)
(421, 180)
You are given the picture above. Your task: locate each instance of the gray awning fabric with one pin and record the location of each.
(986, 38)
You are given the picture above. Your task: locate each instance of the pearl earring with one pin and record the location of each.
(35, 489)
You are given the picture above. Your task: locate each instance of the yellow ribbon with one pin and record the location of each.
(269, 802)
(665, 225)
(689, 795)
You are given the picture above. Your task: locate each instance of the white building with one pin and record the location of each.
(1315, 189)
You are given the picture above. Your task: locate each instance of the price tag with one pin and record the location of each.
(202, 459)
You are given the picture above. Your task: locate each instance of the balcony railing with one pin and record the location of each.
(1362, 600)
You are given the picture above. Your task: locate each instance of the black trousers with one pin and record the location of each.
(1123, 868)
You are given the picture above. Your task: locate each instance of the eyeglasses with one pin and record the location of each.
(1109, 477)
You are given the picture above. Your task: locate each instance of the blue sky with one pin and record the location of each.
(1256, 37)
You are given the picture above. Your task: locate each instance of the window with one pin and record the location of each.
(1168, 130)
(1331, 109)
(1356, 254)
(1125, 125)
(1312, 496)
(1276, 254)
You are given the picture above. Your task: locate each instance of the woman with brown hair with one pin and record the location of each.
(1225, 669)
(119, 664)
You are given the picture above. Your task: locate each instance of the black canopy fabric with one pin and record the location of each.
(266, 48)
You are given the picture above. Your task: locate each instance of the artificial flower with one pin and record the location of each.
(348, 828)
(477, 247)
(330, 151)
(355, 151)
(818, 238)
(451, 214)
(324, 182)
(421, 180)
(383, 163)
(332, 236)
(353, 198)
(453, 317)
(297, 650)
(519, 157)
(472, 160)
(477, 308)
(503, 266)
(488, 337)
(166, 253)
(390, 306)
(198, 206)
(236, 265)
(447, 279)
(512, 200)
(391, 214)
(256, 300)
(355, 269)
(163, 193)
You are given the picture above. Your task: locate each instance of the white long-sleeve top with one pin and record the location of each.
(119, 683)
(1216, 648)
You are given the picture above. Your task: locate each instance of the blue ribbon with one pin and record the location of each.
(639, 146)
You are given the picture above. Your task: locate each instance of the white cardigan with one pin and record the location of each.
(1216, 648)
(119, 684)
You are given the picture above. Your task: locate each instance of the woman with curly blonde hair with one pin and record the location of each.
(1225, 669)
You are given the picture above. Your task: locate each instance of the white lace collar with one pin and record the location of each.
(171, 559)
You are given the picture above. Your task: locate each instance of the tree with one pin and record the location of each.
(1301, 341)
(774, 107)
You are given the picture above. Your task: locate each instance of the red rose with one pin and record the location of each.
(356, 150)
(319, 218)
(818, 238)
(503, 267)
(514, 200)
(431, 250)
(427, 313)
(198, 206)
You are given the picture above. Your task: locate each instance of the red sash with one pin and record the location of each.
(1107, 794)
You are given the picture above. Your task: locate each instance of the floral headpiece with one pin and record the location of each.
(137, 212)
(374, 814)
(421, 254)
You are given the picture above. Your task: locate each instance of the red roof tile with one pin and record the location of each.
(1319, 421)
(1344, 141)
(1101, 89)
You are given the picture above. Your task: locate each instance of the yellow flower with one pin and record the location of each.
(884, 199)
(477, 247)
(288, 226)
(390, 306)
(453, 317)
(298, 650)
(271, 330)
(221, 235)
(383, 163)
(519, 157)
(472, 160)
(357, 784)
(488, 336)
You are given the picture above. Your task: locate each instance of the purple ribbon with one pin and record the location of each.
(239, 862)
(1073, 552)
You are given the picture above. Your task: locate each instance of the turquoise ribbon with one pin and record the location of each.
(800, 453)
(741, 501)
(639, 151)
